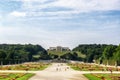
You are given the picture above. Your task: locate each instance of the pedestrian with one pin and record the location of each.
(56, 69)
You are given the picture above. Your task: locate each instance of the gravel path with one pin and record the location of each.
(58, 71)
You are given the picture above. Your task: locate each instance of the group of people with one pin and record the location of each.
(61, 67)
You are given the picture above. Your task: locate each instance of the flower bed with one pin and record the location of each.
(26, 66)
(103, 76)
(91, 67)
(15, 76)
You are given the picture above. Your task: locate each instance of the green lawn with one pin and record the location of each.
(26, 77)
(15, 76)
(59, 53)
(80, 54)
(101, 76)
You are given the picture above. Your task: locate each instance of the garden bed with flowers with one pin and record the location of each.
(15, 76)
(33, 66)
(91, 67)
(103, 76)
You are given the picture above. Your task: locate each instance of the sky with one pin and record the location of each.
(65, 23)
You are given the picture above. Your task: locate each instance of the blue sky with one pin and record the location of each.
(60, 22)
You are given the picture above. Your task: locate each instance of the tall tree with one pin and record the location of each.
(117, 55)
(108, 52)
(2, 54)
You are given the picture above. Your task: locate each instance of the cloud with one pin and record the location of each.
(18, 14)
(63, 8)
(75, 4)
(35, 7)
(62, 22)
(46, 38)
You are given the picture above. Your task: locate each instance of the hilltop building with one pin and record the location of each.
(59, 48)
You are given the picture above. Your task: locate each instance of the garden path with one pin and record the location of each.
(58, 71)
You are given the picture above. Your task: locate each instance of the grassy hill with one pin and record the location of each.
(59, 53)
(66, 54)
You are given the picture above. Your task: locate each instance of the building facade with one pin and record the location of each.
(59, 48)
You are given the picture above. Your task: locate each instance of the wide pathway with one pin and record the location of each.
(58, 71)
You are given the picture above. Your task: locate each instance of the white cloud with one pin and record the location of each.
(37, 35)
(76, 6)
(46, 32)
(35, 7)
(18, 14)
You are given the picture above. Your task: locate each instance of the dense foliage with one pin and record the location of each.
(17, 53)
(92, 51)
(67, 55)
(101, 53)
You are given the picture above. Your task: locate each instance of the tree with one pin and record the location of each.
(108, 52)
(12, 53)
(95, 51)
(2, 54)
(117, 55)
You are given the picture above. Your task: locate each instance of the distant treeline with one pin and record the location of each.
(100, 53)
(17, 53)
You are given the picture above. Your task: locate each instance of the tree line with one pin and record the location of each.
(17, 53)
(100, 53)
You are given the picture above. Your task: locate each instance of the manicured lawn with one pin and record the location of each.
(15, 76)
(103, 76)
(59, 53)
(26, 77)
(91, 77)
(91, 67)
(26, 66)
